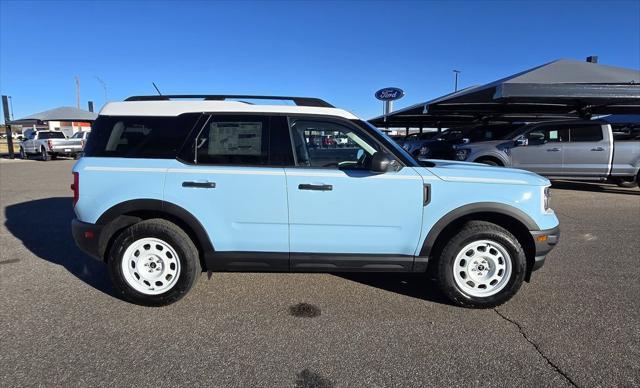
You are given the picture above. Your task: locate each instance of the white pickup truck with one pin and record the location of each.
(49, 144)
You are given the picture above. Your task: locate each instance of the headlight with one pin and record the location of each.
(546, 194)
(462, 154)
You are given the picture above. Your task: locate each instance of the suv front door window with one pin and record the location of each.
(315, 145)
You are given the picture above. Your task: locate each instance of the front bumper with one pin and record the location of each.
(87, 237)
(545, 241)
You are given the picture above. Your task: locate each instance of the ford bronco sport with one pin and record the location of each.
(173, 185)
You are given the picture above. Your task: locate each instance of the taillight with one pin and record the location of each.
(50, 144)
(75, 186)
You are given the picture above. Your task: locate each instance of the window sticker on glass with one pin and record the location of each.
(553, 135)
(235, 138)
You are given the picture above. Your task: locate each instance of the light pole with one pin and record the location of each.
(77, 91)
(455, 87)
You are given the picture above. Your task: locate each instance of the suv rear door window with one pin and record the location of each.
(240, 140)
(139, 136)
(233, 141)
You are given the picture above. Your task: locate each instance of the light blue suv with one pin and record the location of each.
(173, 185)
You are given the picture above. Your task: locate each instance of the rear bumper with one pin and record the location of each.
(545, 241)
(87, 237)
(65, 151)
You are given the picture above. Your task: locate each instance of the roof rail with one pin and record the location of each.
(300, 101)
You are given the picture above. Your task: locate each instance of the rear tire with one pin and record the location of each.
(482, 266)
(153, 263)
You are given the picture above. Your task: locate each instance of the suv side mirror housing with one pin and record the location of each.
(380, 162)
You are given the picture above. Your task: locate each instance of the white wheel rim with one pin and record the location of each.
(482, 268)
(150, 266)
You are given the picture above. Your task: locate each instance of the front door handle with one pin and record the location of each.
(553, 149)
(200, 185)
(306, 186)
(597, 149)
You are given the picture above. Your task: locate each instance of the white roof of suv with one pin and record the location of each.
(154, 106)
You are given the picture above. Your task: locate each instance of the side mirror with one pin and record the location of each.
(522, 142)
(380, 162)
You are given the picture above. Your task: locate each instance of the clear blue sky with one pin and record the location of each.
(340, 51)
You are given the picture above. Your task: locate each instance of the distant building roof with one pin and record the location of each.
(63, 113)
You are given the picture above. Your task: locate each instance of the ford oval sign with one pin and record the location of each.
(389, 94)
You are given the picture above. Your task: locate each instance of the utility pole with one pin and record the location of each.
(455, 87)
(77, 91)
(7, 120)
(11, 108)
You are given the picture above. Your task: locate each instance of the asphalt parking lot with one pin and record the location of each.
(577, 322)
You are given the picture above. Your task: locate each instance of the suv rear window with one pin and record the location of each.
(51, 135)
(139, 136)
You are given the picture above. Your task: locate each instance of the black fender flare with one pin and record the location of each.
(118, 217)
(466, 210)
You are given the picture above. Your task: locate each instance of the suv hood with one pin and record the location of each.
(451, 171)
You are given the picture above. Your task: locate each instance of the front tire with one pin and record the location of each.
(153, 263)
(482, 266)
(626, 183)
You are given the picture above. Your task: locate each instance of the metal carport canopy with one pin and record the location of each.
(64, 113)
(560, 87)
(419, 115)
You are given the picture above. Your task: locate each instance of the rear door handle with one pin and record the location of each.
(553, 149)
(306, 186)
(597, 149)
(200, 185)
